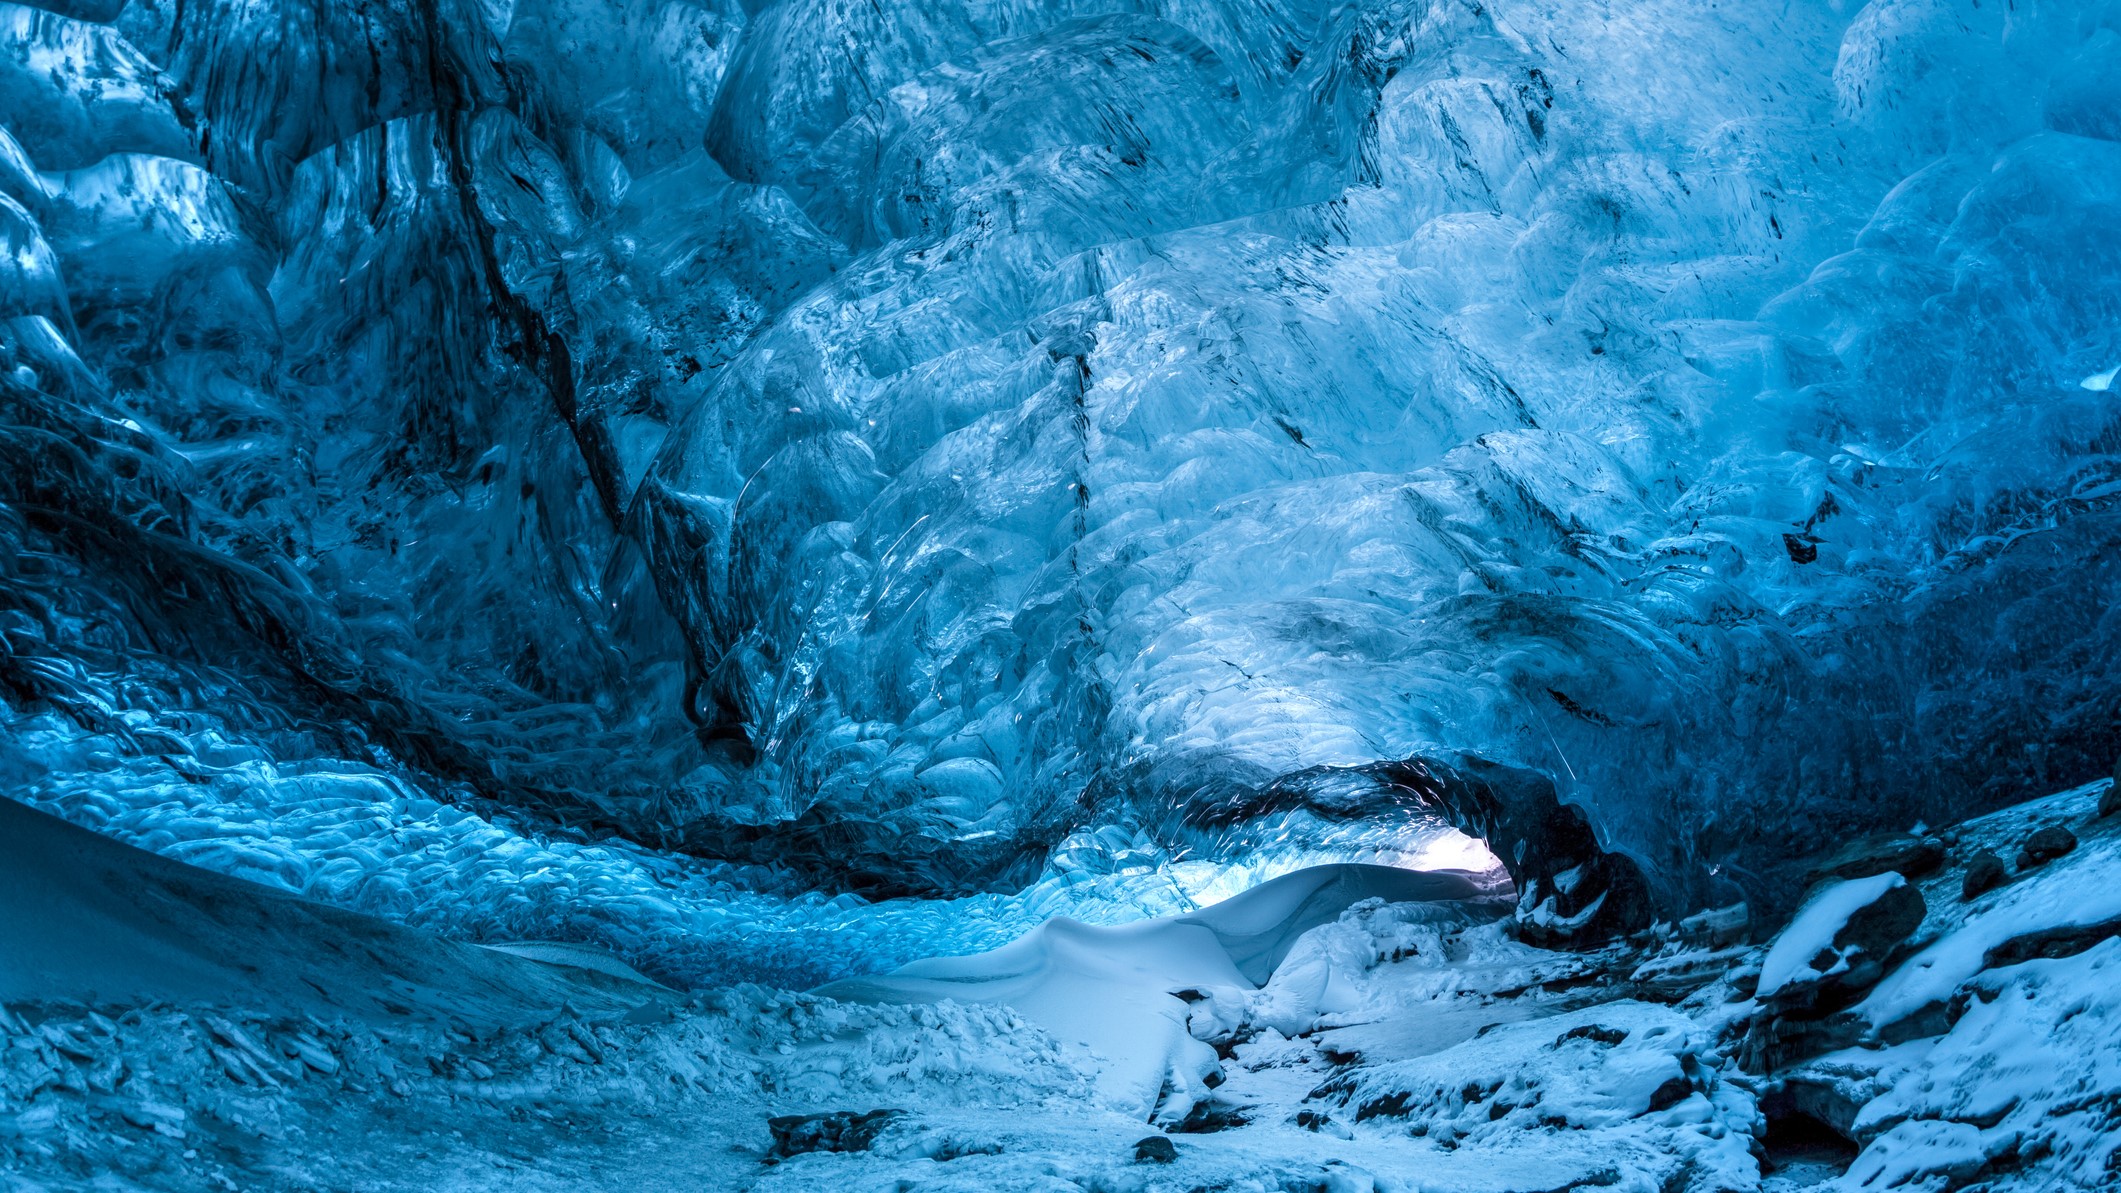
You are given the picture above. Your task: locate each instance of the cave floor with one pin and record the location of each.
(1398, 1046)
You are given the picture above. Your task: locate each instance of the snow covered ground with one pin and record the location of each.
(1340, 1028)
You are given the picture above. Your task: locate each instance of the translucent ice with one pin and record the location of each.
(919, 448)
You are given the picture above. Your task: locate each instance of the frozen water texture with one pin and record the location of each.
(462, 459)
(803, 490)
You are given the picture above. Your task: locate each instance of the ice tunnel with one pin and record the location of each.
(773, 490)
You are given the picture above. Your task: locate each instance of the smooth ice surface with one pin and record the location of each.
(88, 918)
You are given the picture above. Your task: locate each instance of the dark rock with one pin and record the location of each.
(1777, 1040)
(839, 1131)
(2050, 944)
(1804, 1018)
(1744, 980)
(1718, 927)
(1885, 924)
(1388, 1107)
(1209, 1116)
(1908, 855)
(2045, 846)
(1599, 898)
(1155, 1150)
(1932, 1018)
(1833, 1104)
(1392, 1105)
(2110, 802)
(1984, 874)
(1592, 1031)
(1312, 1120)
(1670, 1094)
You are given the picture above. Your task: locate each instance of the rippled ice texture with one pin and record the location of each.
(918, 447)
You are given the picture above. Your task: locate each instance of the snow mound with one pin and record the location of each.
(2031, 1071)
(85, 917)
(1115, 991)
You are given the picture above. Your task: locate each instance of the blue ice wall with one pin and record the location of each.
(881, 444)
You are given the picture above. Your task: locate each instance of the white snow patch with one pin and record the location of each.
(1114, 990)
(1812, 932)
(2080, 889)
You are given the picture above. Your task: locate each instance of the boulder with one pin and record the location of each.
(1900, 853)
(1983, 874)
(839, 1131)
(2045, 846)
(1155, 1150)
(2110, 801)
(1837, 948)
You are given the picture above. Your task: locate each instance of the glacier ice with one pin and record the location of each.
(548, 469)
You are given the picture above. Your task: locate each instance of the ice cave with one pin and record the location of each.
(1063, 596)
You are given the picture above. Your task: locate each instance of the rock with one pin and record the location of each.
(1831, 1095)
(1984, 874)
(1718, 927)
(1611, 1037)
(839, 1131)
(1343, 1177)
(1837, 948)
(2045, 846)
(1670, 1094)
(1209, 1116)
(1744, 980)
(1585, 905)
(1900, 853)
(1885, 924)
(1775, 1040)
(2110, 802)
(2065, 941)
(1155, 1150)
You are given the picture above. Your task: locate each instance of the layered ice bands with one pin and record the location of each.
(926, 448)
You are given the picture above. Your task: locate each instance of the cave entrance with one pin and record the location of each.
(1424, 845)
(1573, 891)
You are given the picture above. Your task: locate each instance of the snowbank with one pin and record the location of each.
(1115, 991)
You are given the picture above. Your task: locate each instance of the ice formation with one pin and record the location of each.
(880, 441)
(806, 491)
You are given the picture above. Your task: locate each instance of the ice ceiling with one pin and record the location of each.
(602, 468)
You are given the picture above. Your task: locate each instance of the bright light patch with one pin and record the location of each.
(1438, 848)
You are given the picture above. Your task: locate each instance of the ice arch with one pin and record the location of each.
(885, 445)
